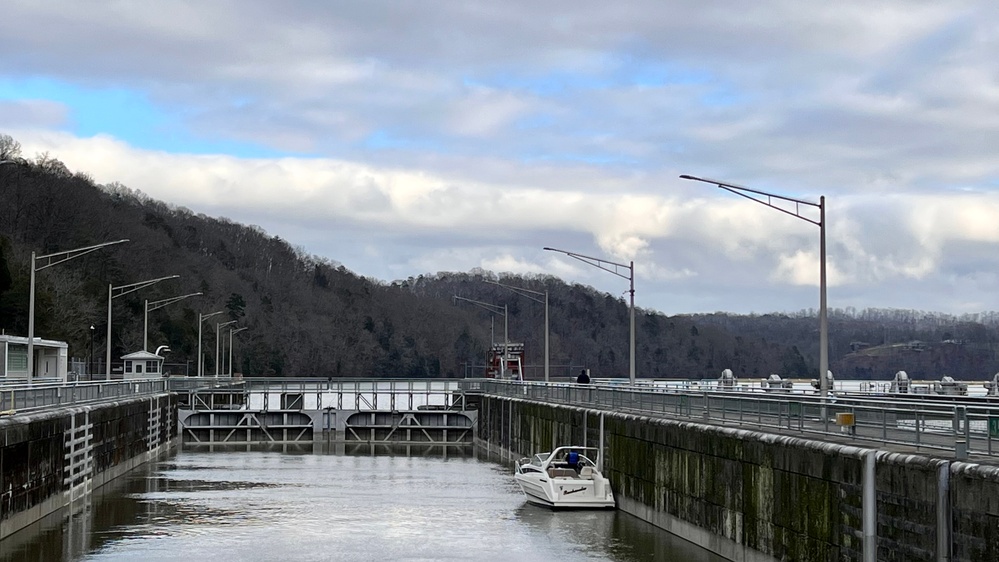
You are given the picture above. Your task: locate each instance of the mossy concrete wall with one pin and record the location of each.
(748, 495)
(908, 495)
(974, 496)
(49, 457)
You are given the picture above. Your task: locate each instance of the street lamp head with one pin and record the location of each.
(709, 180)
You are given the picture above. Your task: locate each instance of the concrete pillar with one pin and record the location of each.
(943, 513)
(870, 508)
(600, 459)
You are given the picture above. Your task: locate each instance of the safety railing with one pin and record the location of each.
(21, 398)
(958, 429)
(317, 394)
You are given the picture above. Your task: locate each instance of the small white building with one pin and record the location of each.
(143, 364)
(51, 359)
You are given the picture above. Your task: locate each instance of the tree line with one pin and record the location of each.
(308, 315)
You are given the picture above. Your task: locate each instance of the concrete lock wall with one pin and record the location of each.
(748, 495)
(974, 496)
(50, 459)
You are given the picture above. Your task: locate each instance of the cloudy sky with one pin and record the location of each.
(409, 137)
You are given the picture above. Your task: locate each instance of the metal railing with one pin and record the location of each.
(21, 398)
(951, 425)
(317, 394)
(947, 426)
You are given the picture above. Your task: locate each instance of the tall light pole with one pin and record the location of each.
(614, 268)
(231, 333)
(765, 198)
(202, 318)
(218, 328)
(124, 290)
(53, 259)
(495, 309)
(153, 306)
(528, 294)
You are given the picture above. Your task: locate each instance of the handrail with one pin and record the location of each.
(16, 399)
(318, 394)
(958, 424)
(969, 427)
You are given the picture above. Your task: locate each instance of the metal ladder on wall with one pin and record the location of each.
(153, 425)
(78, 475)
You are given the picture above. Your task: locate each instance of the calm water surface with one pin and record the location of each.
(264, 506)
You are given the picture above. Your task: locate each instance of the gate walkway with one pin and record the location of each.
(284, 410)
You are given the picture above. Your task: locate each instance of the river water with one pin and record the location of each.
(251, 506)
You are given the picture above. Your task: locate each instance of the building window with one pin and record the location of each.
(151, 366)
(128, 366)
(138, 368)
(17, 358)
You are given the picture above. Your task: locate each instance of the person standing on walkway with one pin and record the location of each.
(583, 377)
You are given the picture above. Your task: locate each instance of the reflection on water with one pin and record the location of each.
(613, 534)
(282, 505)
(77, 529)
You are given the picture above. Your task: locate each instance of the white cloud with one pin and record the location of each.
(427, 138)
(419, 222)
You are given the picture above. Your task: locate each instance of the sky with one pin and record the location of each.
(414, 137)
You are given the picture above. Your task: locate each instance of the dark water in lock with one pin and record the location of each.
(261, 506)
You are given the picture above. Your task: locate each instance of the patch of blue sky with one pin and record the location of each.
(634, 71)
(126, 115)
(723, 97)
(536, 121)
(718, 91)
(119, 112)
(652, 74)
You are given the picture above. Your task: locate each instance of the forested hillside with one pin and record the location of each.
(310, 316)
(876, 343)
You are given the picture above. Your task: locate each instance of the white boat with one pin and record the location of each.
(565, 477)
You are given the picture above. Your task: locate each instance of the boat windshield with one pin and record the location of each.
(574, 456)
(540, 458)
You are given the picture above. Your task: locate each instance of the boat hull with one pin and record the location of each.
(567, 493)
